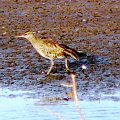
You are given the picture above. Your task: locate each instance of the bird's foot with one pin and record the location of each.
(48, 73)
(68, 70)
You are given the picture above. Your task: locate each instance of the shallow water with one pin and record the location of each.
(19, 105)
(91, 26)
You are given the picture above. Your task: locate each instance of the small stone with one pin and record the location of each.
(84, 67)
(3, 27)
(84, 20)
(4, 33)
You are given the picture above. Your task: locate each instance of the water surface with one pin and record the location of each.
(18, 105)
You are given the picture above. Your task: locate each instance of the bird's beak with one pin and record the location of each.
(20, 36)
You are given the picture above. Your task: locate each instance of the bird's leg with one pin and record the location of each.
(66, 65)
(52, 63)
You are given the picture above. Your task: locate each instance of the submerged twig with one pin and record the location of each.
(75, 93)
(74, 86)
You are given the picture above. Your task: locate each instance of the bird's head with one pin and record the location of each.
(27, 35)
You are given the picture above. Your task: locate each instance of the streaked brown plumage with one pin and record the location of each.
(51, 49)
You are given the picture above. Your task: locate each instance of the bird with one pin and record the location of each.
(51, 49)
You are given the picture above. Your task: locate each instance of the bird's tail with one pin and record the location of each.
(73, 53)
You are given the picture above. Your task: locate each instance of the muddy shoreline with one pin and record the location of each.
(91, 26)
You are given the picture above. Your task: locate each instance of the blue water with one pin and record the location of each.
(18, 105)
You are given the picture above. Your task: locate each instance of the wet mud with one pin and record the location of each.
(92, 26)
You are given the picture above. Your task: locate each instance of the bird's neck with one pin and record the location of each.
(32, 39)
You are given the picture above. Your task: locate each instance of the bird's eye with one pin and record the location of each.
(25, 33)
